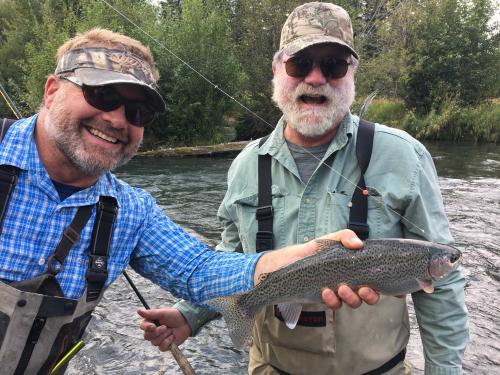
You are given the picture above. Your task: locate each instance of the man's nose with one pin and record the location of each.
(315, 77)
(116, 117)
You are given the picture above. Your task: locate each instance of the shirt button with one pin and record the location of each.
(41, 261)
(306, 238)
(307, 200)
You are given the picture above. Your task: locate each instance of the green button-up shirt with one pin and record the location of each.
(404, 201)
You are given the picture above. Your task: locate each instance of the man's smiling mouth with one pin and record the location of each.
(101, 135)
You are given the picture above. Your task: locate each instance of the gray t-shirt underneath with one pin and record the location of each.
(307, 158)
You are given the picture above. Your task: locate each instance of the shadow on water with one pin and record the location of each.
(190, 190)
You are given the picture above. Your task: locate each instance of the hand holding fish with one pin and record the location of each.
(277, 259)
(173, 327)
(392, 266)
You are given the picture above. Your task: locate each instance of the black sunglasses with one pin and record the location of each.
(106, 98)
(300, 66)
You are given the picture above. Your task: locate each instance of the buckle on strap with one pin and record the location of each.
(263, 213)
(98, 269)
(361, 229)
(71, 235)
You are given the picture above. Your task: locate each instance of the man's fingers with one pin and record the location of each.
(330, 299)
(147, 326)
(158, 341)
(368, 295)
(347, 237)
(151, 334)
(153, 314)
(165, 345)
(349, 297)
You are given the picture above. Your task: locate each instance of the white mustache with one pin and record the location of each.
(303, 89)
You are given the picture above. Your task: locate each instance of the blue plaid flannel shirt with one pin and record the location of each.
(143, 236)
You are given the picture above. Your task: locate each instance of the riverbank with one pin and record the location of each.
(223, 149)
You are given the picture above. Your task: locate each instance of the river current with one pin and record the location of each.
(190, 190)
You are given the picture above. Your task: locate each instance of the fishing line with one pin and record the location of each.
(9, 102)
(217, 87)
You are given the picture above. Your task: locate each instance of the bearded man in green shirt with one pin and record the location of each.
(314, 168)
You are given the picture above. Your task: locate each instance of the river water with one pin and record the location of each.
(190, 189)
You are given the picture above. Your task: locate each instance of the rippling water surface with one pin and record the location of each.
(190, 190)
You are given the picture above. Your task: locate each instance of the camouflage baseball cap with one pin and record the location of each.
(104, 66)
(315, 23)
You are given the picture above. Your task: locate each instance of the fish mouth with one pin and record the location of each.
(445, 262)
(454, 256)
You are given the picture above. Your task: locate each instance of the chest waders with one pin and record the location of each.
(358, 215)
(38, 325)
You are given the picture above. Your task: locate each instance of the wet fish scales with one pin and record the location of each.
(390, 266)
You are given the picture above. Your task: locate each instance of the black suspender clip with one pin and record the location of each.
(264, 213)
(97, 271)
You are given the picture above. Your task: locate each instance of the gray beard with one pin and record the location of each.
(317, 121)
(67, 139)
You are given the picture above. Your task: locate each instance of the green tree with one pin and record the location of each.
(17, 21)
(437, 50)
(256, 31)
(197, 50)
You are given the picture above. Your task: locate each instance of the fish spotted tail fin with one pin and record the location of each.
(239, 321)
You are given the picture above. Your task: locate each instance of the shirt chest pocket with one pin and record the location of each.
(246, 209)
(379, 215)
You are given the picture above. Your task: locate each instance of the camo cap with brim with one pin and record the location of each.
(105, 66)
(316, 23)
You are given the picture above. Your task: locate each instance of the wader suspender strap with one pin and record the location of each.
(97, 273)
(8, 174)
(71, 235)
(359, 210)
(357, 214)
(264, 213)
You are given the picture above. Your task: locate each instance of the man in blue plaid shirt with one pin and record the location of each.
(95, 107)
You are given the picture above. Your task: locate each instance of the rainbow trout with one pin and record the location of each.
(390, 266)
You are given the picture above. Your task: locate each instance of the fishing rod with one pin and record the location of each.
(176, 352)
(9, 102)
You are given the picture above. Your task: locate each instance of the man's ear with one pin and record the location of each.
(51, 86)
(274, 68)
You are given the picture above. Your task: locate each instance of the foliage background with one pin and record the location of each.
(434, 63)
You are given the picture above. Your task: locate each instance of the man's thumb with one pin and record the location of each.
(149, 314)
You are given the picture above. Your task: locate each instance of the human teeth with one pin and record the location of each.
(100, 134)
(313, 99)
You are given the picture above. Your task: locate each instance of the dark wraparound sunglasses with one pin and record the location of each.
(106, 98)
(331, 67)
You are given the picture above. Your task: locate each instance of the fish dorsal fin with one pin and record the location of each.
(426, 285)
(290, 313)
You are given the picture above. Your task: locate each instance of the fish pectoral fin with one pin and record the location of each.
(290, 313)
(426, 285)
